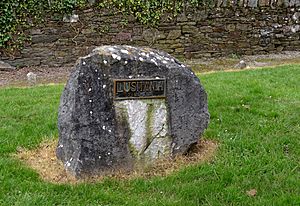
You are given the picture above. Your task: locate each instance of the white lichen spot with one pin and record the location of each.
(90, 89)
(152, 60)
(104, 86)
(61, 146)
(182, 65)
(143, 54)
(157, 78)
(91, 112)
(165, 62)
(81, 73)
(99, 157)
(152, 53)
(125, 62)
(115, 56)
(141, 59)
(71, 159)
(104, 61)
(124, 51)
(68, 164)
(90, 101)
(103, 127)
(83, 63)
(109, 130)
(104, 75)
(111, 49)
(108, 153)
(166, 58)
(98, 78)
(96, 70)
(129, 77)
(158, 57)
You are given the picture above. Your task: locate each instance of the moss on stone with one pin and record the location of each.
(149, 121)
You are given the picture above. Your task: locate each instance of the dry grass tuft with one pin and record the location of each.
(43, 160)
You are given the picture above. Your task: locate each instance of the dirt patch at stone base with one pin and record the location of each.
(43, 160)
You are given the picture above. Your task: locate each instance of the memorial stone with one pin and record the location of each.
(124, 105)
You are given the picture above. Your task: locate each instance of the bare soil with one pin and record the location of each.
(50, 75)
(43, 160)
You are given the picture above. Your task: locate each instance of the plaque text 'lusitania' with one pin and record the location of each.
(139, 88)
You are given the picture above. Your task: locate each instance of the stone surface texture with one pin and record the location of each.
(98, 134)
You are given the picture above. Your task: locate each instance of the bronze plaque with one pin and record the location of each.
(139, 88)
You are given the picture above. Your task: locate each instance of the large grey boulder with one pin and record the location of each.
(100, 132)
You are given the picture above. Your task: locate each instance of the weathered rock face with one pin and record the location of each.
(99, 132)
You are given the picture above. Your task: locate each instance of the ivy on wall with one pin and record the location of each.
(18, 15)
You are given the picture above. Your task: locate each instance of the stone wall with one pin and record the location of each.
(231, 30)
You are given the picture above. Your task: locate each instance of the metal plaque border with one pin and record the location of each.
(140, 79)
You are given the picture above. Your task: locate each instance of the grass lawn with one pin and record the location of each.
(255, 117)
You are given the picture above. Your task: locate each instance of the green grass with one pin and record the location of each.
(255, 117)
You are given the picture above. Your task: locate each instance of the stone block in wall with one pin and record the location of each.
(171, 41)
(169, 50)
(137, 38)
(37, 52)
(169, 28)
(174, 34)
(44, 38)
(230, 27)
(179, 51)
(52, 30)
(149, 35)
(243, 27)
(187, 29)
(194, 48)
(36, 31)
(206, 29)
(161, 35)
(25, 62)
(88, 31)
(252, 3)
(190, 23)
(199, 16)
(122, 36)
(176, 46)
(182, 18)
(279, 48)
(295, 43)
(201, 54)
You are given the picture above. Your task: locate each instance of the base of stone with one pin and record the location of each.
(43, 160)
